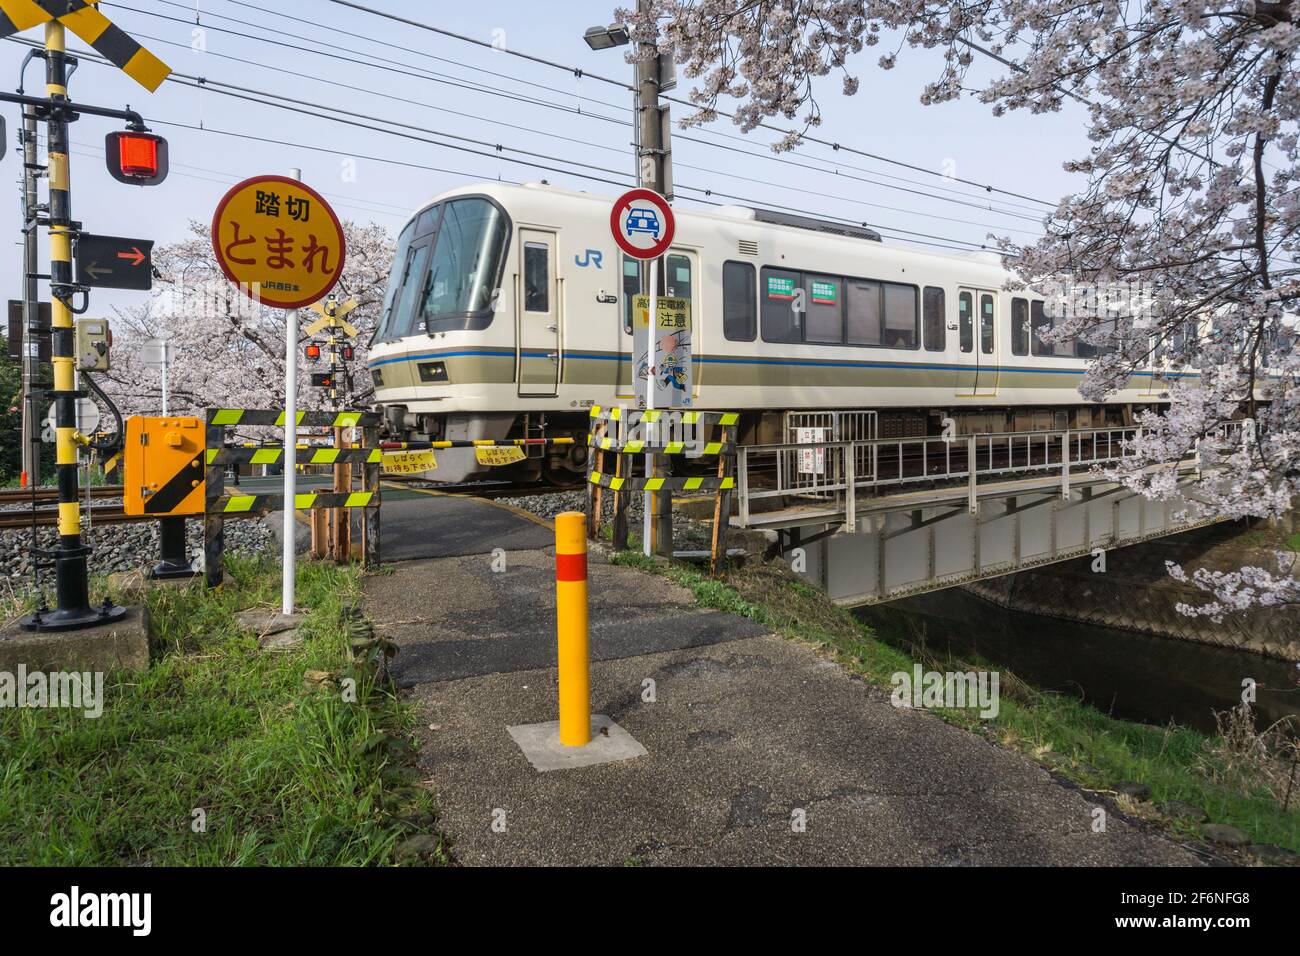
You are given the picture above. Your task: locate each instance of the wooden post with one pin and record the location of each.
(214, 535)
(370, 522)
(317, 518)
(340, 530)
(620, 505)
(721, 512)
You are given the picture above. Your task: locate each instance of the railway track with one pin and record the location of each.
(22, 496)
(112, 514)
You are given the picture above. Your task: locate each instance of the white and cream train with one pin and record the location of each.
(508, 314)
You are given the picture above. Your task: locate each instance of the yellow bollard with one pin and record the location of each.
(571, 627)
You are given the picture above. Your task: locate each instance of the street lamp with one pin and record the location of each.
(603, 38)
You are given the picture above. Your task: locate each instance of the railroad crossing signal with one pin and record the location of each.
(135, 157)
(85, 20)
(331, 314)
(113, 262)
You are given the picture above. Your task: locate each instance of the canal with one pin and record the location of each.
(1126, 674)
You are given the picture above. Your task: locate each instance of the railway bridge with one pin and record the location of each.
(879, 519)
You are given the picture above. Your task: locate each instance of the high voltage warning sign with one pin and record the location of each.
(83, 19)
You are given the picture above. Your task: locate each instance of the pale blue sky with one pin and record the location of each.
(1019, 152)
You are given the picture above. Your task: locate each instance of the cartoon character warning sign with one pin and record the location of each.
(672, 350)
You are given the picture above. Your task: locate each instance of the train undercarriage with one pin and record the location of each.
(560, 464)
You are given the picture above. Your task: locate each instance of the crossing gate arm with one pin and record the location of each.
(661, 484)
(228, 417)
(218, 505)
(633, 415)
(274, 454)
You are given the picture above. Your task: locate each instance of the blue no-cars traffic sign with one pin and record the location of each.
(642, 223)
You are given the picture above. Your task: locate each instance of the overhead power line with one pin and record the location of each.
(768, 156)
(385, 66)
(349, 119)
(785, 132)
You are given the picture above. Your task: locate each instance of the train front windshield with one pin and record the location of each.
(446, 270)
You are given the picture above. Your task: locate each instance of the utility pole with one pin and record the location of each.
(72, 584)
(31, 302)
(654, 172)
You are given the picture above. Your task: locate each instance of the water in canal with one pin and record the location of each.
(1126, 674)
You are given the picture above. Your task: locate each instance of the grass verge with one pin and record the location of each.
(224, 754)
(1075, 740)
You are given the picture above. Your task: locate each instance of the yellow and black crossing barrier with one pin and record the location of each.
(308, 419)
(700, 483)
(218, 505)
(472, 443)
(611, 432)
(632, 416)
(274, 454)
(303, 501)
(692, 448)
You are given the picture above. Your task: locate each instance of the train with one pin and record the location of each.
(509, 314)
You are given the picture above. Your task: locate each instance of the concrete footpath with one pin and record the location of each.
(759, 751)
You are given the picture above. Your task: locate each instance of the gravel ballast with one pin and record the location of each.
(121, 547)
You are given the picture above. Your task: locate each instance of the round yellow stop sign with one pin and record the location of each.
(279, 241)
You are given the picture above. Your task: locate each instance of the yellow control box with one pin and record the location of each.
(163, 466)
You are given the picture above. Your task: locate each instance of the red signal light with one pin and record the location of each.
(348, 353)
(136, 157)
(139, 155)
(313, 351)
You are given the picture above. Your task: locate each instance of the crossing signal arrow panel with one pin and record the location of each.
(113, 262)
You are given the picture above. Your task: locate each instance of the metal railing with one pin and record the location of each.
(807, 472)
(894, 462)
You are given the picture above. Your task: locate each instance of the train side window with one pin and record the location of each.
(679, 276)
(739, 308)
(902, 325)
(1019, 326)
(986, 324)
(779, 297)
(397, 277)
(823, 315)
(966, 321)
(865, 322)
(428, 220)
(932, 305)
(537, 280)
(631, 287)
(406, 310)
(1040, 322)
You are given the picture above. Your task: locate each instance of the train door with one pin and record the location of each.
(977, 340)
(632, 270)
(537, 314)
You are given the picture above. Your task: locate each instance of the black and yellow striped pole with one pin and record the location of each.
(72, 587)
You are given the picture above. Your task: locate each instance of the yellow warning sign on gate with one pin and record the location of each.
(498, 456)
(408, 462)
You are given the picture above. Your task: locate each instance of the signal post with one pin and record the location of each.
(73, 610)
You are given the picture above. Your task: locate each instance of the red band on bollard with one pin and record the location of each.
(571, 567)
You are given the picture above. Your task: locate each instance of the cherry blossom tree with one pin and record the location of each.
(1179, 250)
(228, 350)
